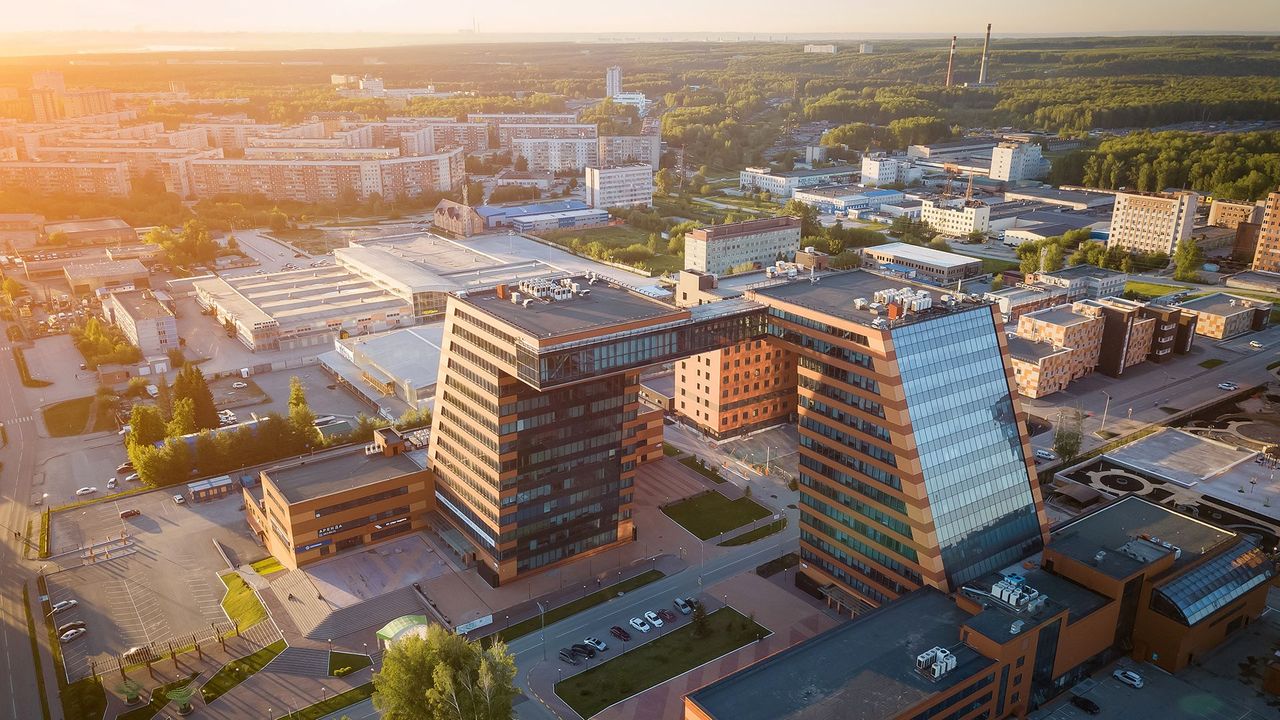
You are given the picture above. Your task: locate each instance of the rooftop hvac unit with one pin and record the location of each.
(526, 302)
(1016, 627)
(926, 658)
(860, 303)
(810, 249)
(516, 297)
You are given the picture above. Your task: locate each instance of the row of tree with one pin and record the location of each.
(103, 344)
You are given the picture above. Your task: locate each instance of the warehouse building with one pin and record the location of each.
(933, 266)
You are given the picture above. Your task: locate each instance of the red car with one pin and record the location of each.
(667, 616)
(619, 633)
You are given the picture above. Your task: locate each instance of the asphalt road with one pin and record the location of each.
(19, 697)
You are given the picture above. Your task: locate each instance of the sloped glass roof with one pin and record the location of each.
(1197, 594)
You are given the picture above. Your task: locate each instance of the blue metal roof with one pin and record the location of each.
(515, 211)
(1204, 590)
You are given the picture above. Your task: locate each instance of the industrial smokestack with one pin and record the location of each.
(951, 59)
(986, 47)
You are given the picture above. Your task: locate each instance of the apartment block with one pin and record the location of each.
(1230, 213)
(232, 135)
(881, 169)
(932, 266)
(1266, 256)
(1220, 316)
(1152, 222)
(1014, 161)
(915, 468)
(956, 220)
(1063, 327)
(612, 81)
(310, 510)
(150, 326)
(538, 426)
(630, 149)
(493, 120)
(737, 390)
(721, 248)
(81, 178)
(82, 103)
(556, 155)
(508, 133)
(781, 184)
(621, 186)
(46, 104)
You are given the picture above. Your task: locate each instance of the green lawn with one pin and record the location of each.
(355, 661)
(990, 265)
(242, 606)
(777, 565)
(696, 465)
(1212, 363)
(267, 565)
(614, 236)
(1137, 289)
(670, 450)
(710, 514)
(572, 608)
(763, 531)
(158, 700)
(70, 417)
(236, 671)
(84, 700)
(678, 652)
(333, 704)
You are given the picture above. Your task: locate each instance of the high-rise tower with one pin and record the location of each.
(612, 81)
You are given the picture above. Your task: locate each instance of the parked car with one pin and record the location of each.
(239, 385)
(64, 605)
(684, 607)
(124, 468)
(87, 491)
(72, 634)
(131, 512)
(1128, 677)
(132, 477)
(640, 625)
(68, 627)
(111, 483)
(653, 618)
(619, 633)
(1255, 344)
(180, 500)
(666, 615)
(584, 650)
(568, 657)
(1086, 705)
(1228, 386)
(597, 644)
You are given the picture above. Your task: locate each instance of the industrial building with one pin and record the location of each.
(87, 278)
(1085, 281)
(308, 510)
(1078, 200)
(721, 249)
(782, 183)
(392, 371)
(1131, 578)
(881, 169)
(933, 266)
(563, 220)
(149, 325)
(1230, 213)
(849, 199)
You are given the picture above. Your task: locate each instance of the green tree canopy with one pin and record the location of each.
(443, 676)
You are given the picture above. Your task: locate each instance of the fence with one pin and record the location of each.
(157, 651)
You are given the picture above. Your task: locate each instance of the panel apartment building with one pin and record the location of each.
(915, 467)
(538, 426)
(1152, 222)
(556, 155)
(621, 186)
(721, 248)
(630, 149)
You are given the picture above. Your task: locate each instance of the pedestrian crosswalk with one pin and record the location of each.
(14, 421)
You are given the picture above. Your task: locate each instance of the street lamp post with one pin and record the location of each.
(543, 614)
(1105, 408)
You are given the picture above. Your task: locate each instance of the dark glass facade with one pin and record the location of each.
(969, 443)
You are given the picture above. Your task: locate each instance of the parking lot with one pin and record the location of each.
(1162, 695)
(149, 578)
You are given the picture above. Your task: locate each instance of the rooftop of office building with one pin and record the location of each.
(1070, 196)
(132, 266)
(805, 172)
(1122, 537)
(875, 677)
(601, 306)
(1061, 315)
(142, 305)
(1222, 304)
(1083, 271)
(314, 479)
(745, 227)
(1034, 351)
(851, 296)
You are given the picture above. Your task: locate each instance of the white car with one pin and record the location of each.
(1045, 455)
(87, 491)
(652, 617)
(239, 385)
(64, 605)
(640, 625)
(131, 477)
(595, 643)
(111, 483)
(1128, 677)
(1228, 386)
(1255, 344)
(70, 635)
(179, 500)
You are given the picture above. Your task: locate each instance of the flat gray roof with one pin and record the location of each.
(71, 226)
(834, 295)
(1061, 315)
(1030, 350)
(107, 268)
(409, 354)
(1116, 525)
(1082, 271)
(921, 254)
(1222, 304)
(317, 478)
(861, 670)
(1179, 456)
(607, 306)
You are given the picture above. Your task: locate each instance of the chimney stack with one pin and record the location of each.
(986, 47)
(951, 59)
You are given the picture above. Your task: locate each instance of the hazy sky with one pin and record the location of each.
(647, 16)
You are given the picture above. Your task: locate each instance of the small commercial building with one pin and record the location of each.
(88, 278)
(149, 324)
(721, 248)
(933, 266)
(781, 184)
(95, 231)
(1040, 368)
(210, 488)
(524, 178)
(567, 219)
(1063, 327)
(313, 509)
(1085, 281)
(1220, 316)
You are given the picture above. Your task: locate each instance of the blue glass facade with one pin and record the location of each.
(966, 433)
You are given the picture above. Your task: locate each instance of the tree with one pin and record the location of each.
(997, 282)
(444, 676)
(1187, 259)
(184, 418)
(700, 625)
(191, 384)
(808, 215)
(1069, 434)
(277, 220)
(13, 289)
(940, 243)
(146, 425)
(302, 421)
(664, 181)
(521, 164)
(164, 398)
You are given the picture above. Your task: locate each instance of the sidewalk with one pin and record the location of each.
(47, 668)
